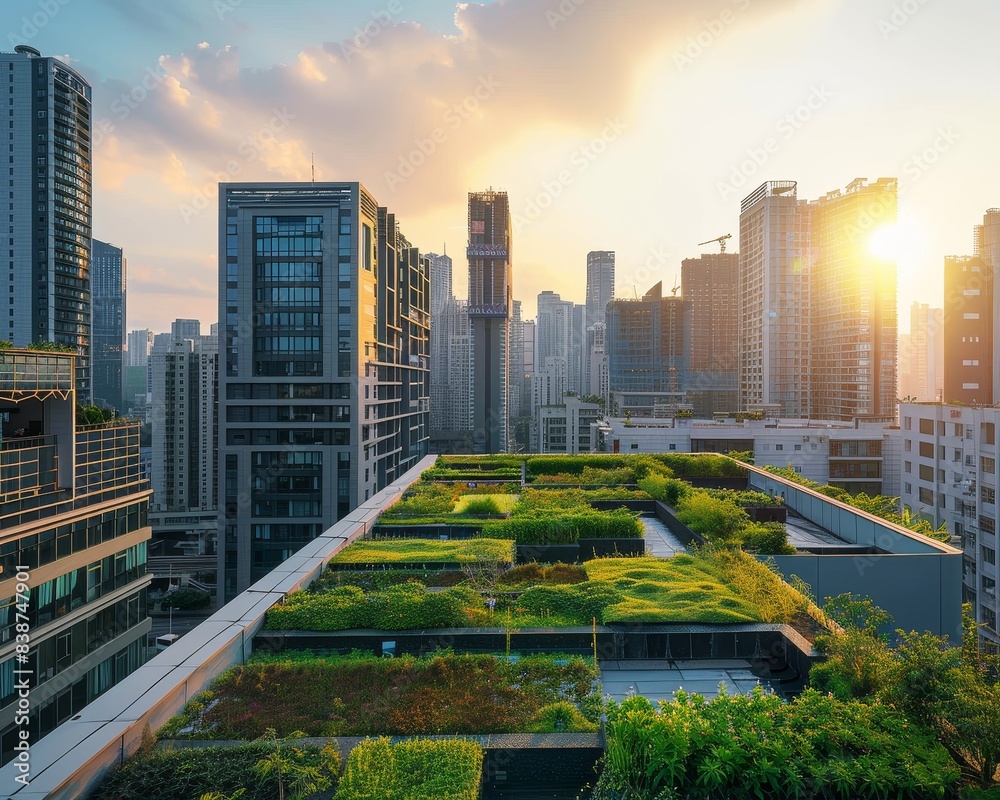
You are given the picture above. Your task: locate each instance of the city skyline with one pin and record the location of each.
(509, 95)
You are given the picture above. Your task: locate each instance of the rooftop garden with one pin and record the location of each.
(359, 695)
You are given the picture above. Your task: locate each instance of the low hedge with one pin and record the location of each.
(188, 774)
(567, 528)
(419, 769)
(405, 607)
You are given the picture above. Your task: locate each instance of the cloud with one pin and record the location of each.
(396, 94)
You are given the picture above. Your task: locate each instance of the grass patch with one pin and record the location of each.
(420, 768)
(484, 504)
(418, 551)
(681, 589)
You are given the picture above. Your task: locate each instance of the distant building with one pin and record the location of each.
(108, 274)
(442, 329)
(73, 509)
(323, 368)
(490, 305)
(710, 286)
(972, 319)
(646, 345)
(856, 456)
(48, 274)
(568, 427)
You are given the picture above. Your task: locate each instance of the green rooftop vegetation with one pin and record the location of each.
(412, 770)
(360, 694)
(419, 551)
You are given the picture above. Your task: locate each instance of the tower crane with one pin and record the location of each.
(676, 287)
(721, 240)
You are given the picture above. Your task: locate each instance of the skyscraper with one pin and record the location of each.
(48, 275)
(323, 371)
(442, 330)
(600, 284)
(490, 301)
(774, 338)
(968, 341)
(818, 302)
(921, 355)
(710, 285)
(646, 345)
(853, 305)
(108, 275)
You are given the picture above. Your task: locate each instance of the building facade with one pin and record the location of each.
(817, 317)
(48, 279)
(774, 267)
(490, 303)
(853, 322)
(324, 365)
(646, 343)
(569, 427)
(856, 456)
(74, 528)
(710, 287)
(108, 281)
(949, 476)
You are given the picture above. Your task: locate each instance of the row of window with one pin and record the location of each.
(57, 597)
(43, 548)
(286, 391)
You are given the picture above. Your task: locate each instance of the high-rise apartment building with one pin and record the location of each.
(710, 286)
(600, 284)
(818, 302)
(646, 344)
(490, 301)
(774, 264)
(921, 355)
(140, 344)
(853, 318)
(108, 276)
(950, 477)
(442, 329)
(73, 516)
(972, 319)
(47, 279)
(324, 364)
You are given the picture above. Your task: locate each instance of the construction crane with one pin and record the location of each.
(721, 240)
(676, 287)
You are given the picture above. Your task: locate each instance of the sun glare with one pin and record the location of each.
(884, 243)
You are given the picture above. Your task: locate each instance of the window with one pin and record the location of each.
(926, 496)
(927, 427)
(908, 488)
(634, 446)
(926, 473)
(989, 433)
(988, 465)
(989, 555)
(907, 445)
(988, 494)
(926, 450)
(779, 447)
(987, 524)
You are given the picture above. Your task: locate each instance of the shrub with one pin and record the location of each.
(418, 769)
(481, 506)
(767, 538)
(186, 774)
(714, 518)
(561, 717)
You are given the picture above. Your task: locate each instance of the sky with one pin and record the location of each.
(627, 125)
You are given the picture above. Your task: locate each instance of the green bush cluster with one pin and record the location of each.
(421, 551)
(757, 746)
(534, 573)
(417, 769)
(580, 601)
(188, 774)
(567, 528)
(561, 717)
(405, 607)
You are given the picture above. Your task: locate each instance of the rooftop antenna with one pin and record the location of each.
(312, 158)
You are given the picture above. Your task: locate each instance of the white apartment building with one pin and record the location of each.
(949, 475)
